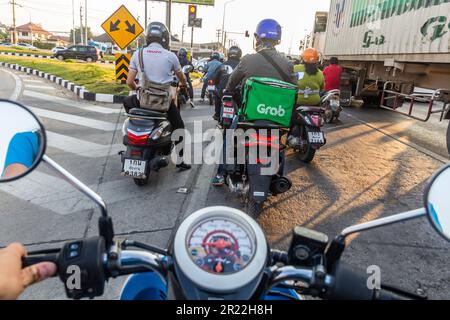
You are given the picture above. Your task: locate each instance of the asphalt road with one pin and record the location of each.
(375, 164)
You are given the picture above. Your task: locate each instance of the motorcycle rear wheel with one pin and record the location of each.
(307, 156)
(141, 182)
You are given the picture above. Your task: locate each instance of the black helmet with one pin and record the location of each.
(235, 53)
(215, 56)
(158, 32)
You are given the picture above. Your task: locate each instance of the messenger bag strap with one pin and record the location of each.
(269, 59)
(141, 65)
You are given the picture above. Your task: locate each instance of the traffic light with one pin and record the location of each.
(192, 15)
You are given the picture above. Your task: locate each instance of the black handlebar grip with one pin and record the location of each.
(349, 284)
(32, 260)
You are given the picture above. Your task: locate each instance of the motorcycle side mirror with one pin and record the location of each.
(188, 69)
(22, 148)
(22, 141)
(437, 202)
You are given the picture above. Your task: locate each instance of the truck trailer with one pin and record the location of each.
(389, 49)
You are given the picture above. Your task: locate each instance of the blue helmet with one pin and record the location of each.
(269, 29)
(182, 53)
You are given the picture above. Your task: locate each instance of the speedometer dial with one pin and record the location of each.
(220, 246)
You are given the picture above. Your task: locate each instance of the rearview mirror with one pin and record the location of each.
(188, 69)
(437, 202)
(22, 141)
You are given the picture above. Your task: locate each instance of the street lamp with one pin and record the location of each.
(223, 21)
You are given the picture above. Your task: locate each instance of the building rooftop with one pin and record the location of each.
(35, 28)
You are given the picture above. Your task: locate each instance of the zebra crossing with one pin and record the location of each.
(87, 133)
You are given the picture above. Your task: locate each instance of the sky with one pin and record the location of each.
(295, 16)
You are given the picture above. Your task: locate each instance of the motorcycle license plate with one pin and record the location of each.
(134, 168)
(316, 137)
(211, 88)
(228, 113)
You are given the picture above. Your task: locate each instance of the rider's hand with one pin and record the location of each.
(13, 279)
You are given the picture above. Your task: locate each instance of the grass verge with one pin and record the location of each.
(97, 78)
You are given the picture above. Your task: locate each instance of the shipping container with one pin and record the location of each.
(401, 30)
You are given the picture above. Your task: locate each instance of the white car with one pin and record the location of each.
(56, 49)
(201, 64)
(27, 46)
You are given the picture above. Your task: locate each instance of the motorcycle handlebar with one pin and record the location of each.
(351, 284)
(30, 261)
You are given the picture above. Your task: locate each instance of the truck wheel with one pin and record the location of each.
(253, 208)
(448, 138)
(60, 58)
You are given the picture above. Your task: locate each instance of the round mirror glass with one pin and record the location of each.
(22, 141)
(188, 69)
(437, 202)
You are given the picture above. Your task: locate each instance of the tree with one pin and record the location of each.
(78, 37)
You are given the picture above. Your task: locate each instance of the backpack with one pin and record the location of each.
(269, 99)
(152, 95)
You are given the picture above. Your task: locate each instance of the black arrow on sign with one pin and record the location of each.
(131, 28)
(123, 76)
(114, 26)
(122, 67)
(123, 58)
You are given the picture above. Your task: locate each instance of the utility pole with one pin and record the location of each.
(81, 24)
(146, 16)
(73, 23)
(14, 37)
(86, 23)
(182, 32)
(169, 15)
(218, 34)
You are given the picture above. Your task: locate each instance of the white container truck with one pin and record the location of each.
(389, 48)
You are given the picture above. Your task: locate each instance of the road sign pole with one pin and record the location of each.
(192, 39)
(169, 15)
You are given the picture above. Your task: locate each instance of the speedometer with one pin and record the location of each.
(219, 253)
(220, 246)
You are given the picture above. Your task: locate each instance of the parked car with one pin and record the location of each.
(201, 64)
(56, 49)
(27, 46)
(79, 52)
(5, 44)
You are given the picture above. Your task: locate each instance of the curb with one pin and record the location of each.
(43, 57)
(78, 90)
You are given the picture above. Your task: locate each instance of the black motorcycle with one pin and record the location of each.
(306, 136)
(250, 178)
(216, 253)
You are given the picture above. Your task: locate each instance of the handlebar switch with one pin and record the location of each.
(307, 247)
(81, 268)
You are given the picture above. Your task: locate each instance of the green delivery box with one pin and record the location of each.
(269, 99)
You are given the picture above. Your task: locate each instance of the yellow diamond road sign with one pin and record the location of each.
(122, 27)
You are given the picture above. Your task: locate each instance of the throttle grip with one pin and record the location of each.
(32, 260)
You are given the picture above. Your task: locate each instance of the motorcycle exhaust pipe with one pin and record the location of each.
(159, 163)
(280, 185)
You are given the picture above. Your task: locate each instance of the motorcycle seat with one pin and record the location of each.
(147, 113)
(309, 108)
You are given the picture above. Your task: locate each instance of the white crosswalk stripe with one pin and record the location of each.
(69, 103)
(38, 87)
(75, 120)
(81, 147)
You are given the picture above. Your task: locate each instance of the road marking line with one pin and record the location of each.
(18, 89)
(75, 120)
(32, 81)
(30, 86)
(69, 103)
(81, 147)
